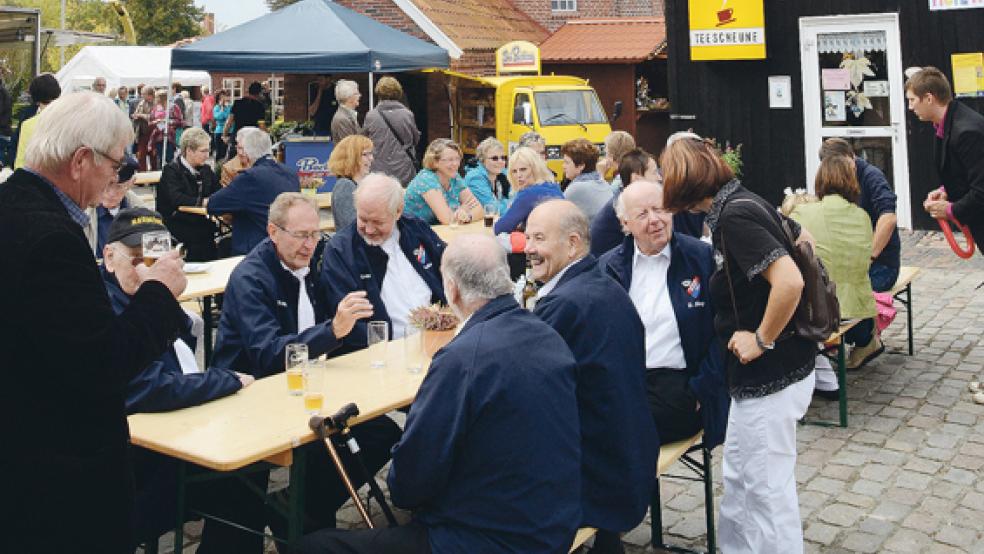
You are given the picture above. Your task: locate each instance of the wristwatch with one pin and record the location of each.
(762, 344)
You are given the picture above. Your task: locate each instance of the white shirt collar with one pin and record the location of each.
(299, 273)
(548, 287)
(392, 244)
(638, 255)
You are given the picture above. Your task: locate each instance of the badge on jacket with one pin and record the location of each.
(422, 258)
(692, 286)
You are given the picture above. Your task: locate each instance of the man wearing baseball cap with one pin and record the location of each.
(171, 382)
(116, 197)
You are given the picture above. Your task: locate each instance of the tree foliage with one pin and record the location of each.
(277, 4)
(164, 21)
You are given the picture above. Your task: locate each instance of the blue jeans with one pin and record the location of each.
(882, 276)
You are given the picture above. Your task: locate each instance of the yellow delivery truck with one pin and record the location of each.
(559, 108)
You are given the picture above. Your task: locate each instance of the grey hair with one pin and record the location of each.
(392, 189)
(345, 89)
(148, 89)
(530, 137)
(73, 121)
(479, 273)
(194, 138)
(256, 143)
(284, 202)
(682, 135)
(619, 203)
(486, 146)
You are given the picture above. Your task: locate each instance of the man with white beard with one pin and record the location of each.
(394, 258)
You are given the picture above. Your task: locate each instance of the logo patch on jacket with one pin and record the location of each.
(422, 258)
(692, 286)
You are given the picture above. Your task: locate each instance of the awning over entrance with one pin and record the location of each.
(614, 40)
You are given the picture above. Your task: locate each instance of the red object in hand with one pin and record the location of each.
(964, 253)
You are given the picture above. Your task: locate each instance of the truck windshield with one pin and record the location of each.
(568, 107)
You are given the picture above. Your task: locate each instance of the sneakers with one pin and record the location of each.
(861, 355)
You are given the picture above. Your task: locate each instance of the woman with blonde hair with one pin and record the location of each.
(617, 145)
(755, 292)
(532, 182)
(350, 162)
(438, 194)
(482, 179)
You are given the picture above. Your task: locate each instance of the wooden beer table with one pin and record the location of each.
(449, 233)
(205, 286)
(141, 178)
(262, 423)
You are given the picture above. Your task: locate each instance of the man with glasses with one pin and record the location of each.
(117, 196)
(66, 357)
(249, 195)
(393, 259)
(274, 299)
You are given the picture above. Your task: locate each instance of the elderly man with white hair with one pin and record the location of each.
(66, 357)
(395, 259)
(249, 195)
(345, 122)
(666, 274)
(490, 458)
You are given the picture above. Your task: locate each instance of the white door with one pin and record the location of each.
(853, 89)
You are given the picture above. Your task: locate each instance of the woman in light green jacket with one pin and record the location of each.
(843, 235)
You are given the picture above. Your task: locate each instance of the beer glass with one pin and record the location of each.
(296, 366)
(314, 389)
(378, 335)
(413, 349)
(491, 210)
(155, 244)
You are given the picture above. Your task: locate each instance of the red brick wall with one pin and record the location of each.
(540, 10)
(386, 12)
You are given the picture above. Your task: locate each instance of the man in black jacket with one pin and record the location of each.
(66, 357)
(958, 151)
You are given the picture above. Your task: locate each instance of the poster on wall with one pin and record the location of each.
(835, 79)
(834, 106)
(968, 74)
(780, 92)
(876, 89)
(936, 5)
(727, 29)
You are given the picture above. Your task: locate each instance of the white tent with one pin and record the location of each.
(125, 66)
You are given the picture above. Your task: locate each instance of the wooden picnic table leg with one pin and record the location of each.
(179, 528)
(298, 477)
(842, 382)
(656, 517)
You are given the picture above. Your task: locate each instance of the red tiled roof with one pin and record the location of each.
(481, 24)
(624, 39)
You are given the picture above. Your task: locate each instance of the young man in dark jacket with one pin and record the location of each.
(274, 299)
(394, 259)
(67, 357)
(666, 275)
(490, 460)
(596, 318)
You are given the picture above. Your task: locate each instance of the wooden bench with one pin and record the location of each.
(903, 285)
(834, 349)
(669, 454)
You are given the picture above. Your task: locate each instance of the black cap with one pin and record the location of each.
(128, 169)
(131, 223)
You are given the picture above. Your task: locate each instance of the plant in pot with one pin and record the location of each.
(437, 325)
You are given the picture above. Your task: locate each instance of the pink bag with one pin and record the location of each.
(886, 310)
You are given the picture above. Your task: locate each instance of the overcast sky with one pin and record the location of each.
(229, 13)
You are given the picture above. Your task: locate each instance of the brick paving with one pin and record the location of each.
(906, 475)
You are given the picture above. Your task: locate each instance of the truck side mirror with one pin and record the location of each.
(617, 110)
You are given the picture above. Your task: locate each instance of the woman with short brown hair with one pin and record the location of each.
(755, 292)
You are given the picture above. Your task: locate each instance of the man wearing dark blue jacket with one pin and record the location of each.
(490, 460)
(596, 318)
(274, 299)
(666, 275)
(249, 195)
(172, 382)
(396, 260)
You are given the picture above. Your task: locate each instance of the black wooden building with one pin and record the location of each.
(729, 100)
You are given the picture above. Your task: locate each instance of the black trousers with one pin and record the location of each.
(673, 404)
(325, 493)
(406, 539)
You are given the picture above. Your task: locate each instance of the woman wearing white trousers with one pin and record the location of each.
(755, 292)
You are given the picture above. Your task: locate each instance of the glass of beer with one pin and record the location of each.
(378, 336)
(314, 389)
(413, 349)
(491, 210)
(296, 366)
(155, 244)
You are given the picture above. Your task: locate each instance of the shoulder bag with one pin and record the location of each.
(407, 148)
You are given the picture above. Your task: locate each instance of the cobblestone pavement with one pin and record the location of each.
(906, 475)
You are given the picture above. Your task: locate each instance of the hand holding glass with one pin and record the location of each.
(155, 244)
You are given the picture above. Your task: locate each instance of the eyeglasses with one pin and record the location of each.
(496, 158)
(117, 164)
(301, 235)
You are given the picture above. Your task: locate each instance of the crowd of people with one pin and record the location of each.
(529, 424)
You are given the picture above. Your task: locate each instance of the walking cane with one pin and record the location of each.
(323, 426)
